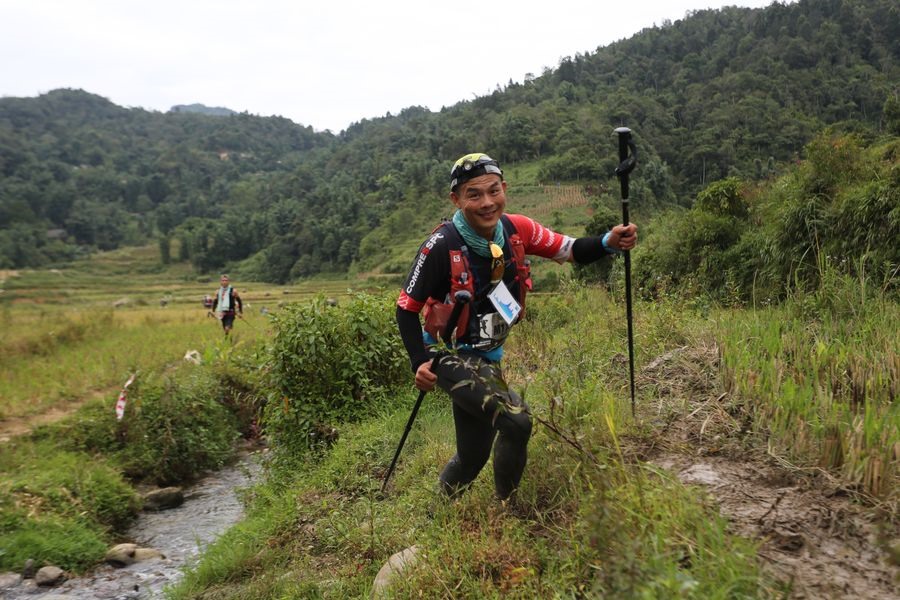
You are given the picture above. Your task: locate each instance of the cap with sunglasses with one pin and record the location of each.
(473, 165)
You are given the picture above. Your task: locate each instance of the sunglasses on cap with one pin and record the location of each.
(473, 165)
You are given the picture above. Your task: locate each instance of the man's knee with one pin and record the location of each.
(515, 425)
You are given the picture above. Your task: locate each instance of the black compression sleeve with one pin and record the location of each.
(588, 249)
(411, 334)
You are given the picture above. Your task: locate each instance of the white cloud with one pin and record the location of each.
(324, 64)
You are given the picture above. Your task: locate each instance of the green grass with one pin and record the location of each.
(815, 377)
(78, 332)
(822, 383)
(590, 520)
(47, 372)
(578, 529)
(66, 488)
(58, 507)
(587, 522)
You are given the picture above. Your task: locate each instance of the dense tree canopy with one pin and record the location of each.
(720, 93)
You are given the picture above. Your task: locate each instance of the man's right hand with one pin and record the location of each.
(425, 378)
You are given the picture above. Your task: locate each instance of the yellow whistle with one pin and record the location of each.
(496, 263)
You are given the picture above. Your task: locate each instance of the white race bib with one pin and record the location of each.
(505, 304)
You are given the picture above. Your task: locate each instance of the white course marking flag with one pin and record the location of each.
(120, 403)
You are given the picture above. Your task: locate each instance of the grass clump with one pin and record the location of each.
(67, 488)
(587, 522)
(329, 365)
(59, 507)
(820, 375)
(577, 529)
(69, 544)
(175, 427)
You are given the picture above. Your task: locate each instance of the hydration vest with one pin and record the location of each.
(437, 313)
(221, 296)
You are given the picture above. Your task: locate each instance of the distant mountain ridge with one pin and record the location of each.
(731, 92)
(216, 111)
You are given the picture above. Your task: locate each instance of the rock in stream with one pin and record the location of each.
(179, 535)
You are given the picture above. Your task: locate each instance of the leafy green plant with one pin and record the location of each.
(841, 203)
(176, 427)
(691, 250)
(328, 365)
(819, 374)
(59, 506)
(603, 220)
(723, 198)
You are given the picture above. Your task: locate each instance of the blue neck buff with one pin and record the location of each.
(475, 242)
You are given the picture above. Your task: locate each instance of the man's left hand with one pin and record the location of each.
(623, 237)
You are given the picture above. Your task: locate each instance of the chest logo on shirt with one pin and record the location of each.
(421, 260)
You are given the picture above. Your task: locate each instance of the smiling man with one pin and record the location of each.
(482, 250)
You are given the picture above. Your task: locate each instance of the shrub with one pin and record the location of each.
(56, 506)
(68, 544)
(693, 249)
(836, 207)
(723, 198)
(328, 365)
(598, 272)
(175, 427)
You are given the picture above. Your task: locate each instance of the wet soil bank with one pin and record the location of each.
(818, 539)
(815, 539)
(211, 506)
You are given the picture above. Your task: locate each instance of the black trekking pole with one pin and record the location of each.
(626, 165)
(460, 298)
(252, 326)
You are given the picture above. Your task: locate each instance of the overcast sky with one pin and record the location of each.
(326, 63)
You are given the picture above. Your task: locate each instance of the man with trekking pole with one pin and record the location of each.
(481, 251)
(227, 304)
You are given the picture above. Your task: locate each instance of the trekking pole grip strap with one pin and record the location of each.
(627, 158)
(460, 299)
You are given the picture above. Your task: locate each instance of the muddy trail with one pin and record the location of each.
(13, 427)
(817, 538)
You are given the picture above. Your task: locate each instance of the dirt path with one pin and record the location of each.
(816, 537)
(15, 426)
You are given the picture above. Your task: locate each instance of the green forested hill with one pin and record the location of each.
(731, 92)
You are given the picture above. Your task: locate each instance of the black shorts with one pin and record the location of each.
(227, 320)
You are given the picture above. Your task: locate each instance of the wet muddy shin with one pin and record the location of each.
(486, 414)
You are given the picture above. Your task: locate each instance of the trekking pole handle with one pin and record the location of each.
(626, 162)
(460, 299)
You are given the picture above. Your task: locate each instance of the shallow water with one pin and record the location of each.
(210, 507)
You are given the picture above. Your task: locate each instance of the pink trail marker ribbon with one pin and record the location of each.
(120, 403)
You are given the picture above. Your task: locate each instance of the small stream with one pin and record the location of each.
(210, 507)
